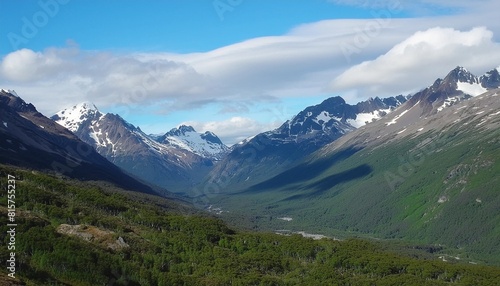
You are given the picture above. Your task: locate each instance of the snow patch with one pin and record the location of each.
(11, 91)
(286, 218)
(368, 117)
(473, 89)
(244, 141)
(401, 131)
(448, 102)
(394, 120)
(456, 111)
(323, 116)
(5, 124)
(483, 120)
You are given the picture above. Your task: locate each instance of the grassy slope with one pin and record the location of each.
(168, 245)
(448, 193)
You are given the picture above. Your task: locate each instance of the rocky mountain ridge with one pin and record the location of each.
(31, 140)
(175, 164)
(309, 130)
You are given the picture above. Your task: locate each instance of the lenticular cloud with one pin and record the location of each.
(407, 64)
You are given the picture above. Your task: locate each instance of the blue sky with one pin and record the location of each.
(234, 67)
(180, 26)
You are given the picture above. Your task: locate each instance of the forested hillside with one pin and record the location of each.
(431, 180)
(71, 233)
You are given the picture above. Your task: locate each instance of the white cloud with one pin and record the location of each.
(300, 63)
(60, 75)
(417, 61)
(232, 130)
(27, 66)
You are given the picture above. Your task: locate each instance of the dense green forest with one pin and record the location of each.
(74, 233)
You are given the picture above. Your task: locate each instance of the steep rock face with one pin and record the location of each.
(326, 119)
(491, 79)
(31, 140)
(457, 86)
(173, 166)
(270, 152)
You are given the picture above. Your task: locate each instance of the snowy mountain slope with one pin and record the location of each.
(30, 140)
(413, 116)
(168, 165)
(206, 145)
(458, 85)
(334, 114)
(72, 118)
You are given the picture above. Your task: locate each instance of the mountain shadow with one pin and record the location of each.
(333, 180)
(304, 171)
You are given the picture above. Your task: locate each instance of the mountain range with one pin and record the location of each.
(427, 172)
(31, 140)
(316, 126)
(421, 167)
(175, 160)
(182, 159)
(271, 152)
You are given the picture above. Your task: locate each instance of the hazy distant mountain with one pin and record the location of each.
(31, 140)
(175, 161)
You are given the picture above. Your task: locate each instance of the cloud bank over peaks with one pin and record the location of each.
(230, 130)
(407, 65)
(70, 75)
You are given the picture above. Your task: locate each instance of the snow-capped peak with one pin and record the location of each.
(72, 117)
(11, 91)
(461, 74)
(207, 144)
(181, 130)
(86, 105)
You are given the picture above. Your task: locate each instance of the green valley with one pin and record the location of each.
(123, 238)
(433, 182)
